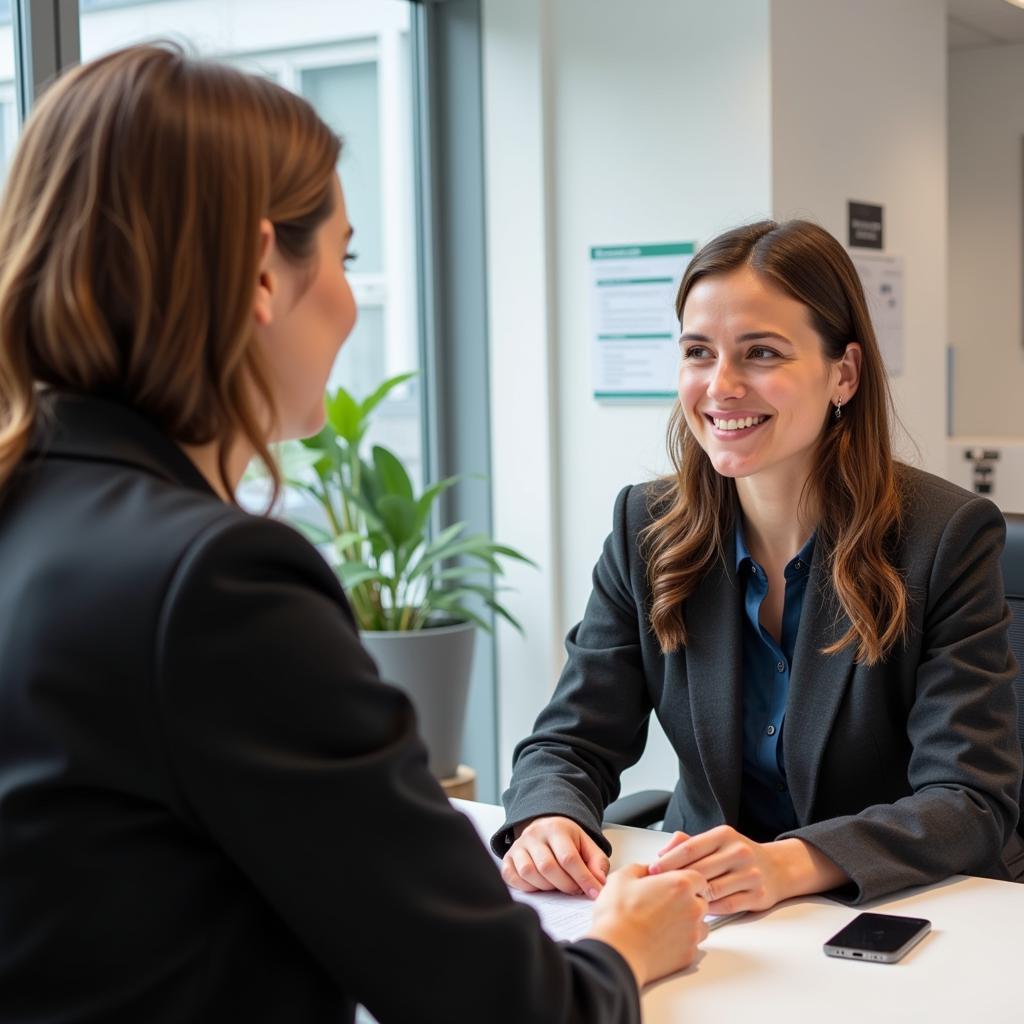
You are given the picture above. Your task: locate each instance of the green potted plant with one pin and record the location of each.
(418, 597)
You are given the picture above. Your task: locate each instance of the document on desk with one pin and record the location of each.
(567, 918)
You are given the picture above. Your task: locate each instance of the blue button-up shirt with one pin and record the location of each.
(766, 808)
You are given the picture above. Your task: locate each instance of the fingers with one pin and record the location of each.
(510, 875)
(691, 849)
(656, 922)
(554, 853)
(570, 863)
(738, 871)
(688, 886)
(539, 868)
(595, 859)
(677, 838)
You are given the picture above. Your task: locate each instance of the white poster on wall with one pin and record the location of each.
(882, 278)
(635, 346)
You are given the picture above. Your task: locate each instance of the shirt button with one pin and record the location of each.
(798, 564)
(770, 730)
(780, 666)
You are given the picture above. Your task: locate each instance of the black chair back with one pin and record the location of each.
(1013, 583)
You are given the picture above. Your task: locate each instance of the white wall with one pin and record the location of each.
(605, 123)
(859, 112)
(986, 142)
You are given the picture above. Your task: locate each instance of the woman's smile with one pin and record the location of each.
(734, 426)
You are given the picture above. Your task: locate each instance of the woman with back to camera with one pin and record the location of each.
(820, 630)
(211, 808)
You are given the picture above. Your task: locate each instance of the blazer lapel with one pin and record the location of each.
(817, 685)
(713, 670)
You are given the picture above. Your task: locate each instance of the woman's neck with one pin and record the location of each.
(776, 522)
(206, 458)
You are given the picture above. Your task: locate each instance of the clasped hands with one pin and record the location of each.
(555, 854)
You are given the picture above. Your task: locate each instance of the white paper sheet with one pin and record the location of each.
(567, 918)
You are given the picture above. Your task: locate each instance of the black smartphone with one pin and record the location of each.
(882, 938)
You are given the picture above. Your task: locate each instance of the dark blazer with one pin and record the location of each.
(903, 773)
(211, 808)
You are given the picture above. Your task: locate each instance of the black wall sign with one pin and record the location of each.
(865, 222)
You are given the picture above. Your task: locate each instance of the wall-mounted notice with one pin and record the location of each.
(864, 225)
(882, 277)
(636, 332)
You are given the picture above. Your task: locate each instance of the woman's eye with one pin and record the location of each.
(349, 257)
(696, 352)
(760, 352)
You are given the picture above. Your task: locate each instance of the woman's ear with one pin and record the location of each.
(266, 281)
(849, 372)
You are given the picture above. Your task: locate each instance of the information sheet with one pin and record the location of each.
(882, 278)
(635, 328)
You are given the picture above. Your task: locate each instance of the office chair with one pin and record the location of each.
(648, 806)
(642, 809)
(1013, 584)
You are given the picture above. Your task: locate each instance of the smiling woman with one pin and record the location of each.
(754, 382)
(820, 631)
(794, 344)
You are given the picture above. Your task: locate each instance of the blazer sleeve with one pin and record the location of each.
(293, 758)
(965, 764)
(595, 725)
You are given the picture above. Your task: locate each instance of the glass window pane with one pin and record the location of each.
(346, 97)
(8, 96)
(351, 60)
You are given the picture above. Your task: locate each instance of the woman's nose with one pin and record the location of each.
(726, 381)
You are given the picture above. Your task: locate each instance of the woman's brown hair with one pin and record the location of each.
(129, 243)
(853, 486)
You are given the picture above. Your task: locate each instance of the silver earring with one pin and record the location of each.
(839, 408)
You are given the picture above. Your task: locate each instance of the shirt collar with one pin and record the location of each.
(800, 562)
(98, 430)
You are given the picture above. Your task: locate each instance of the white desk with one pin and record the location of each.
(767, 968)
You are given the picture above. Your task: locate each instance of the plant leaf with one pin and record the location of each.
(373, 521)
(296, 460)
(346, 540)
(399, 517)
(460, 572)
(373, 400)
(454, 607)
(391, 477)
(426, 500)
(352, 574)
(507, 552)
(345, 416)
(314, 533)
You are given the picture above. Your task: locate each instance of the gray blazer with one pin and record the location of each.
(902, 773)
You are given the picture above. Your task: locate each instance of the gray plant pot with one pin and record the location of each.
(432, 666)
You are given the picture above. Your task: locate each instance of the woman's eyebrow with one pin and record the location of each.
(749, 336)
(761, 335)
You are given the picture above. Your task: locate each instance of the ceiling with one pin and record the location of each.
(974, 23)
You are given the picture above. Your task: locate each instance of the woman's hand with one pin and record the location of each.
(555, 853)
(743, 875)
(655, 923)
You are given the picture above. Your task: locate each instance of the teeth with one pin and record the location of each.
(749, 421)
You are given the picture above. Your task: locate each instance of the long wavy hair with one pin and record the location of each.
(129, 243)
(854, 485)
